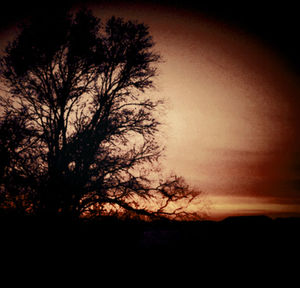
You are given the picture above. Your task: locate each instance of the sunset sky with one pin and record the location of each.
(232, 107)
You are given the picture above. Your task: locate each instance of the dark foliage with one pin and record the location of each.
(78, 133)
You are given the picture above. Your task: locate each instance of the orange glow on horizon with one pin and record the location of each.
(224, 206)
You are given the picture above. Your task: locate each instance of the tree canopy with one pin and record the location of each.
(78, 130)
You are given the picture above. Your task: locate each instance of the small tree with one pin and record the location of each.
(79, 135)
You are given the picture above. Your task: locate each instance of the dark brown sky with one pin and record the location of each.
(230, 77)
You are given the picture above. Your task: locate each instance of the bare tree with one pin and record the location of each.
(78, 133)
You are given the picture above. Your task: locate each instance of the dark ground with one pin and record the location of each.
(139, 252)
(242, 250)
(247, 234)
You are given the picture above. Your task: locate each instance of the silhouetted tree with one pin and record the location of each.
(78, 133)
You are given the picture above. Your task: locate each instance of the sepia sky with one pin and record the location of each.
(231, 126)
